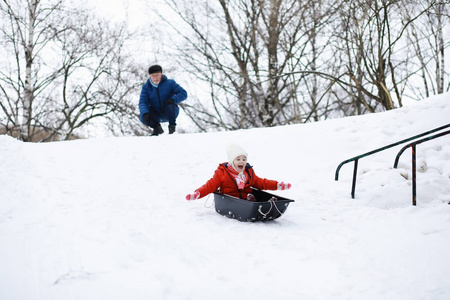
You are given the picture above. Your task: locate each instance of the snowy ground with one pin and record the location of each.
(107, 218)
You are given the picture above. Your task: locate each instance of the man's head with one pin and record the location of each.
(155, 72)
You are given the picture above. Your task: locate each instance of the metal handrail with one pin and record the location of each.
(356, 158)
(413, 148)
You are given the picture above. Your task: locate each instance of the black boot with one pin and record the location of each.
(172, 129)
(157, 130)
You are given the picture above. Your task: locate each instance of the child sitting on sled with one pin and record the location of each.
(236, 178)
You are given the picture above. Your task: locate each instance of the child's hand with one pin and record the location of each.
(193, 196)
(283, 186)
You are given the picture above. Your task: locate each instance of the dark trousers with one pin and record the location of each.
(170, 115)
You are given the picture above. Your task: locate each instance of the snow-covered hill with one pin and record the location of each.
(107, 218)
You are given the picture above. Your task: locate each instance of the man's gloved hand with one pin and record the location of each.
(193, 196)
(146, 118)
(283, 186)
(169, 101)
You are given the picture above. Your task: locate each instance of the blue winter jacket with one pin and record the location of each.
(155, 97)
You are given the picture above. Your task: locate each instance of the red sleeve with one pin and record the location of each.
(211, 185)
(263, 183)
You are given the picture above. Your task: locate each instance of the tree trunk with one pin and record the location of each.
(440, 67)
(25, 131)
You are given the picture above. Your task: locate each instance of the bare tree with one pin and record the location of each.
(372, 49)
(271, 62)
(427, 58)
(97, 78)
(26, 32)
(64, 68)
(313, 58)
(247, 52)
(369, 43)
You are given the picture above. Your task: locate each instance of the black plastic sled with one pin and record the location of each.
(264, 209)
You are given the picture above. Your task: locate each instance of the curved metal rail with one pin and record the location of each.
(413, 148)
(356, 158)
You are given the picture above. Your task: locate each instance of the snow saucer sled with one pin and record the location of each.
(264, 209)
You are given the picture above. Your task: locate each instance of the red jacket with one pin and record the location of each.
(225, 182)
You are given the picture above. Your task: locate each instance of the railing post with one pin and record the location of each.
(355, 170)
(413, 148)
(414, 167)
(355, 159)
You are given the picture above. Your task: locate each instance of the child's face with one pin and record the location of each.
(240, 162)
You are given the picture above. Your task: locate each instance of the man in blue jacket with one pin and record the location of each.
(159, 99)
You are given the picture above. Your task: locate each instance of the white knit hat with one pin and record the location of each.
(234, 151)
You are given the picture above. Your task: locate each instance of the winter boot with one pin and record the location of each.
(171, 129)
(251, 197)
(157, 130)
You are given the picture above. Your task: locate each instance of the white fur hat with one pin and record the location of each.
(234, 151)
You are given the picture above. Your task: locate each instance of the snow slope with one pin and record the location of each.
(107, 218)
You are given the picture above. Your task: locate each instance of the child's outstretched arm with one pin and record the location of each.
(268, 184)
(209, 187)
